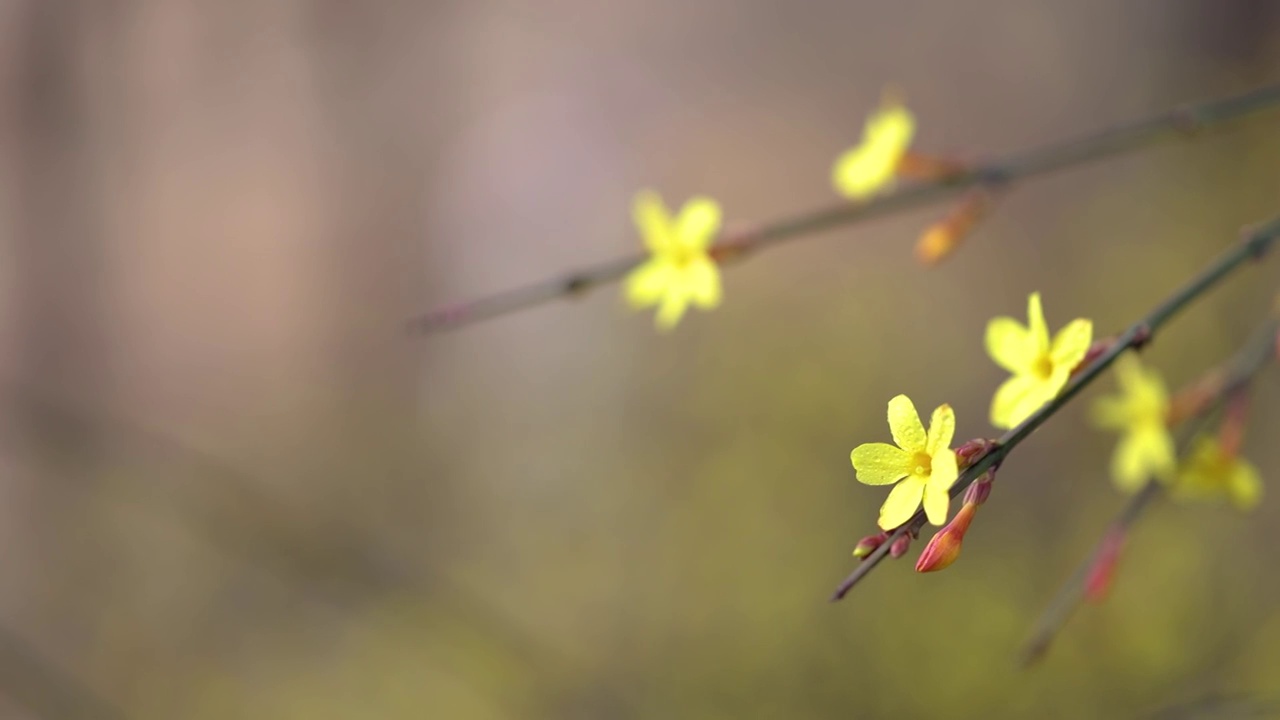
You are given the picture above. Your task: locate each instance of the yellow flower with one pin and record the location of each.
(926, 461)
(1040, 368)
(1139, 413)
(680, 271)
(1209, 472)
(862, 171)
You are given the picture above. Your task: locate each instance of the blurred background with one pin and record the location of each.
(231, 487)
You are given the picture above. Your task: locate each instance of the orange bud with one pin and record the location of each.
(944, 236)
(1234, 419)
(944, 548)
(916, 166)
(1103, 570)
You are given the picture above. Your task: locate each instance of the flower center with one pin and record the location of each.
(1043, 367)
(683, 257)
(923, 464)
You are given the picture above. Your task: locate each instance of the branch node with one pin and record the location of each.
(1142, 335)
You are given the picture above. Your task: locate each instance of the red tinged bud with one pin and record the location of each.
(1098, 582)
(978, 492)
(1234, 419)
(868, 545)
(943, 237)
(944, 548)
(928, 168)
(900, 546)
(972, 451)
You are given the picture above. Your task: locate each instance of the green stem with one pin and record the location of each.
(1172, 123)
(1254, 245)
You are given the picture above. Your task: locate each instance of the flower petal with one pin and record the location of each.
(1245, 486)
(1110, 412)
(891, 127)
(1071, 343)
(674, 303)
(698, 224)
(937, 503)
(1010, 344)
(901, 503)
(1128, 464)
(647, 283)
(937, 500)
(904, 423)
(653, 221)
(1035, 324)
(862, 171)
(702, 276)
(1009, 399)
(942, 428)
(880, 463)
(946, 470)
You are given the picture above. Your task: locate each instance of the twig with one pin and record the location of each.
(1253, 245)
(1180, 121)
(1242, 368)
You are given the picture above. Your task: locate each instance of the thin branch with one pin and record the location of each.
(1178, 122)
(1253, 245)
(1241, 369)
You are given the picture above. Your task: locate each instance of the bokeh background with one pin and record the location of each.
(231, 487)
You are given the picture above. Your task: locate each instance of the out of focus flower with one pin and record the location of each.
(1040, 368)
(923, 462)
(1139, 412)
(1211, 472)
(864, 170)
(680, 270)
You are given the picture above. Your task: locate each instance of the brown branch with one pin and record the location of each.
(1238, 373)
(1253, 245)
(1178, 122)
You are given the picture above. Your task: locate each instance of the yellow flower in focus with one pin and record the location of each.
(680, 270)
(1209, 472)
(924, 462)
(1139, 413)
(862, 171)
(1040, 368)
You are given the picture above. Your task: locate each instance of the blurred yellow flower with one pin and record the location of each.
(864, 170)
(1210, 472)
(1040, 368)
(1139, 413)
(680, 270)
(926, 461)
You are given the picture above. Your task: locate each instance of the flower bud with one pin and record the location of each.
(868, 544)
(1098, 582)
(944, 548)
(972, 451)
(1195, 398)
(978, 491)
(944, 236)
(900, 546)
